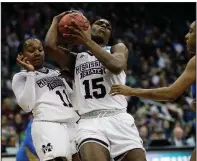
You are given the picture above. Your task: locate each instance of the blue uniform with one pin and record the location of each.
(27, 151)
(193, 89)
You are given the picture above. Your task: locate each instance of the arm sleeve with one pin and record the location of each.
(23, 85)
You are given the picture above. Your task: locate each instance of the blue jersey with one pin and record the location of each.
(189, 115)
(27, 151)
(193, 89)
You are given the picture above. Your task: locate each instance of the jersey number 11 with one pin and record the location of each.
(68, 104)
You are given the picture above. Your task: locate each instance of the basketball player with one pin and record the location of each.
(105, 129)
(40, 90)
(187, 79)
(26, 151)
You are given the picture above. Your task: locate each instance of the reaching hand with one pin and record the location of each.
(24, 63)
(77, 33)
(59, 17)
(121, 90)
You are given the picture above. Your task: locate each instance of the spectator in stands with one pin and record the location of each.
(157, 138)
(3, 144)
(177, 138)
(144, 134)
(167, 129)
(154, 122)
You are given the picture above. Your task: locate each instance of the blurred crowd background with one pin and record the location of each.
(154, 34)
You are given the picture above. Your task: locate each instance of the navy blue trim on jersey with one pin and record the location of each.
(105, 48)
(43, 70)
(90, 53)
(119, 156)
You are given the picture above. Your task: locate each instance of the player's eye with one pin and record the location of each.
(31, 49)
(109, 27)
(98, 23)
(40, 49)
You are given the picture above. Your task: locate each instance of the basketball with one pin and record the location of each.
(79, 19)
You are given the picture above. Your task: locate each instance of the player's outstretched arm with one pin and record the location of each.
(58, 54)
(23, 85)
(162, 94)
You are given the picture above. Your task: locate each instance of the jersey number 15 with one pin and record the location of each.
(96, 84)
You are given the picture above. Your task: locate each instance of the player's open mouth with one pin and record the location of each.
(38, 61)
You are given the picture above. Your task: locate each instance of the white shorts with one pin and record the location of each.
(117, 133)
(53, 140)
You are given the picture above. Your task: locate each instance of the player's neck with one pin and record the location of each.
(39, 68)
(99, 41)
(102, 45)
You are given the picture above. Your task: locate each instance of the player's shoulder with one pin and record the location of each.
(191, 65)
(193, 59)
(119, 46)
(20, 77)
(21, 73)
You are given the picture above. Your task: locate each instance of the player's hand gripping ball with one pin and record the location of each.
(66, 21)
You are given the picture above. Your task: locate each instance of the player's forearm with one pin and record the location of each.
(58, 54)
(51, 39)
(26, 94)
(108, 60)
(159, 94)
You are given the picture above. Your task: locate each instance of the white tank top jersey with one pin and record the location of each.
(93, 83)
(45, 94)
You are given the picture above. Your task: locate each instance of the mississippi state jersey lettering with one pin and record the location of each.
(93, 83)
(51, 98)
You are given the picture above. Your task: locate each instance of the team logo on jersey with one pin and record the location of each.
(51, 82)
(82, 56)
(47, 148)
(89, 68)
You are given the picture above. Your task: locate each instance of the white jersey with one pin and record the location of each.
(45, 94)
(93, 83)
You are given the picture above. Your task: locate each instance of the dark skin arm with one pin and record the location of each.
(115, 62)
(60, 55)
(162, 94)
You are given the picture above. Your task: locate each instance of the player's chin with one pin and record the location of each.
(101, 34)
(191, 51)
(38, 64)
